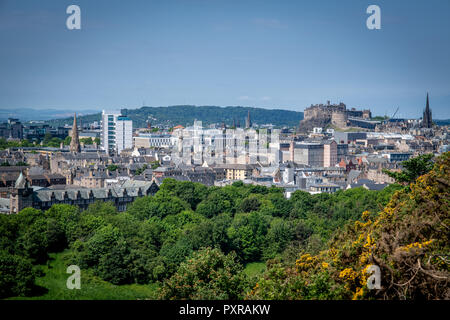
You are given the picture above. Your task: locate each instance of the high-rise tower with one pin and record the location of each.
(117, 132)
(75, 142)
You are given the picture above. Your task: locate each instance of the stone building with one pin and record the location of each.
(339, 119)
(24, 196)
(321, 115)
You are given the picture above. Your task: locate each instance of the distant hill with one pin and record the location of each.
(445, 122)
(185, 115)
(27, 114)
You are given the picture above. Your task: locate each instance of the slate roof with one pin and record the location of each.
(353, 174)
(369, 184)
(130, 189)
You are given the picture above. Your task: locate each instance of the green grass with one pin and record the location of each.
(255, 269)
(53, 285)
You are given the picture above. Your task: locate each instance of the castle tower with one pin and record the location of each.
(75, 143)
(339, 119)
(21, 196)
(427, 121)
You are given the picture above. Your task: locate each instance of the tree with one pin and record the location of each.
(160, 205)
(56, 236)
(139, 171)
(175, 253)
(53, 142)
(107, 252)
(247, 235)
(155, 164)
(87, 141)
(16, 275)
(412, 169)
(48, 136)
(112, 167)
(25, 143)
(208, 274)
(67, 140)
(250, 204)
(217, 202)
(282, 206)
(278, 236)
(192, 193)
(35, 242)
(113, 265)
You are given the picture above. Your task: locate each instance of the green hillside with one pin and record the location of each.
(185, 115)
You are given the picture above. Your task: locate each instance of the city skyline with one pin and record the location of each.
(226, 54)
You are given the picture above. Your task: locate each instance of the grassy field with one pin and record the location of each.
(53, 286)
(255, 268)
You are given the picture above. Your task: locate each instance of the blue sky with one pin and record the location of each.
(272, 54)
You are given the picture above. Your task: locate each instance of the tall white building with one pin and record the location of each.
(117, 132)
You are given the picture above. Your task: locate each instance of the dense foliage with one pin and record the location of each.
(185, 229)
(193, 241)
(5, 144)
(408, 240)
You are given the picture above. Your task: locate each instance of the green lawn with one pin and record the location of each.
(53, 286)
(255, 268)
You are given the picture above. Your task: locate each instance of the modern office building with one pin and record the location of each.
(316, 154)
(310, 154)
(349, 137)
(148, 140)
(11, 129)
(117, 132)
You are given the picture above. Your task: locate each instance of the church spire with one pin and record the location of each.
(248, 122)
(427, 121)
(75, 142)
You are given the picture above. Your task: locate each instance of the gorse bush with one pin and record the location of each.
(407, 239)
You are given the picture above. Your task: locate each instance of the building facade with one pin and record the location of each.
(149, 140)
(23, 196)
(117, 132)
(310, 154)
(11, 129)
